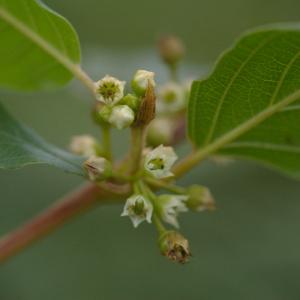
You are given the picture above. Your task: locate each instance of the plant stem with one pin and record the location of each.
(106, 139)
(55, 216)
(165, 185)
(159, 226)
(145, 190)
(174, 72)
(194, 158)
(138, 140)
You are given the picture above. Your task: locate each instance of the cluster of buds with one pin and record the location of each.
(97, 167)
(138, 109)
(116, 108)
(172, 96)
(144, 205)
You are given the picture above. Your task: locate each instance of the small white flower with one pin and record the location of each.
(159, 161)
(171, 98)
(170, 206)
(121, 116)
(98, 168)
(83, 145)
(139, 209)
(140, 81)
(109, 90)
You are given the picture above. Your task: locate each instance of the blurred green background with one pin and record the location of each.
(248, 249)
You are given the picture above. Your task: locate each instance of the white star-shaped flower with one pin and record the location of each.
(139, 209)
(109, 90)
(159, 161)
(170, 206)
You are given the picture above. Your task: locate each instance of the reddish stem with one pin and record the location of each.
(53, 217)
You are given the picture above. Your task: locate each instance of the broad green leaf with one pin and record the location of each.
(20, 146)
(38, 47)
(249, 106)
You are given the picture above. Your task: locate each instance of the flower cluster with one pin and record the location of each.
(117, 109)
(144, 205)
(152, 116)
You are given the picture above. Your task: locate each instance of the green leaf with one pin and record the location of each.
(21, 146)
(249, 106)
(39, 49)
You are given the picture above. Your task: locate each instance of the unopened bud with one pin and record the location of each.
(146, 112)
(160, 131)
(200, 198)
(141, 80)
(122, 116)
(174, 246)
(84, 145)
(98, 168)
(171, 49)
(132, 101)
(104, 114)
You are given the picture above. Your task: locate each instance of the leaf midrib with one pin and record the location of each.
(231, 82)
(36, 39)
(282, 77)
(197, 156)
(37, 146)
(276, 91)
(42, 43)
(266, 146)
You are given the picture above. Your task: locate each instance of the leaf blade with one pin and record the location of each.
(39, 47)
(21, 146)
(258, 73)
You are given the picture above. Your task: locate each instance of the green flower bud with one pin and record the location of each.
(122, 116)
(160, 131)
(104, 114)
(171, 49)
(200, 198)
(141, 80)
(132, 101)
(98, 168)
(174, 246)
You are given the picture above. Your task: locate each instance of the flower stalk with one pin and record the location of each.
(106, 140)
